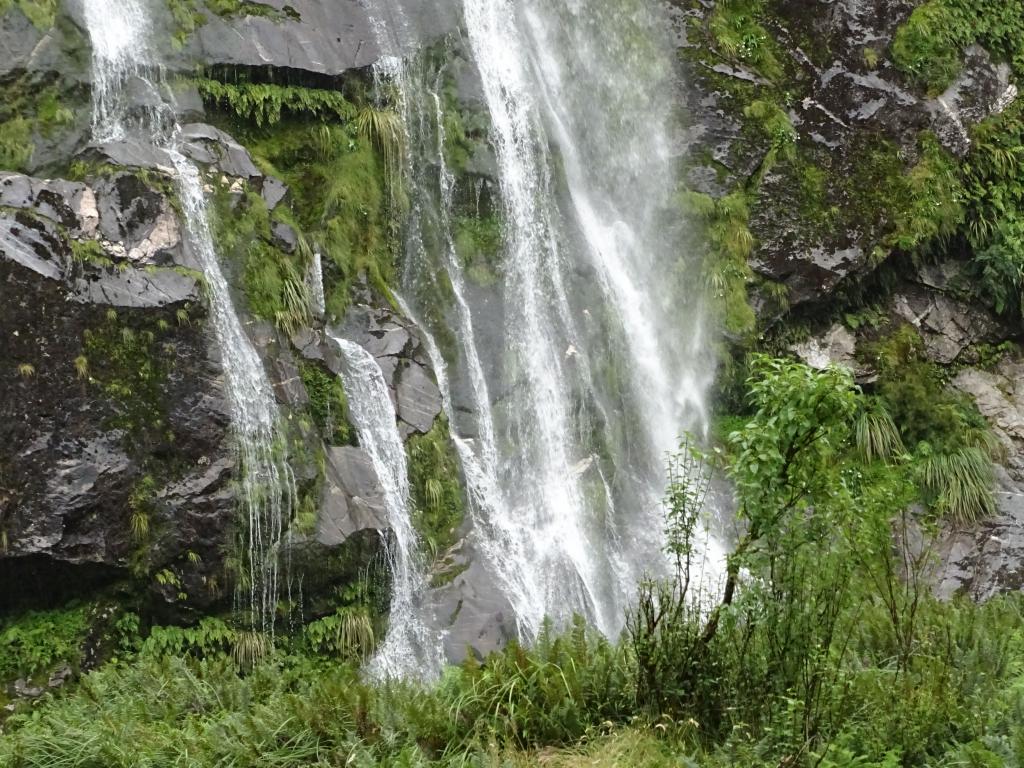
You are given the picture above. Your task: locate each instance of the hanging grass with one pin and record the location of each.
(877, 435)
(251, 648)
(960, 482)
(383, 129)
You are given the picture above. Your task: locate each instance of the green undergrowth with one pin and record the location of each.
(950, 444)
(929, 46)
(327, 403)
(266, 103)
(273, 280)
(435, 488)
(824, 647)
(338, 203)
(35, 643)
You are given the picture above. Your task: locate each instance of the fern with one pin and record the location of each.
(264, 103)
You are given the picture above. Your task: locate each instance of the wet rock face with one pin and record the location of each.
(320, 38)
(848, 101)
(109, 404)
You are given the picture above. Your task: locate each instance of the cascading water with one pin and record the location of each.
(565, 531)
(410, 648)
(495, 534)
(123, 56)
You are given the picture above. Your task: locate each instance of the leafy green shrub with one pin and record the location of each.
(34, 643)
(211, 638)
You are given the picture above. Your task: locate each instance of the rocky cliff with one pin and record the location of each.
(834, 187)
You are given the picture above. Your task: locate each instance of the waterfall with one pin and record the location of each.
(564, 530)
(495, 533)
(123, 56)
(410, 649)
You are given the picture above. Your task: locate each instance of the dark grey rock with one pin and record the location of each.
(987, 559)
(68, 203)
(18, 39)
(352, 500)
(133, 154)
(211, 146)
(327, 39)
(138, 222)
(287, 381)
(949, 327)
(273, 192)
(155, 287)
(34, 244)
(419, 400)
(284, 236)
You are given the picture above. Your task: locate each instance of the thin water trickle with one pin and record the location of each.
(411, 648)
(122, 59)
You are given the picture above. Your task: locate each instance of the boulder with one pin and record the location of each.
(834, 347)
(982, 89)
(950, 328)
(985, 560)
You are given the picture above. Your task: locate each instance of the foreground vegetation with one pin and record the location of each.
(822, 646)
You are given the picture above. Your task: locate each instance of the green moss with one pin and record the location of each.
(738, 34)
(479, 245)
(435, 488)
(42, 13)
(772, 121)
(130, 362)
(29, 109)
(16, 145)
(338, 200)
(327, 403)
(929, 45)
(233, 8)
(729, 243)
(90, 252)
(273, 281)
(930, 201)
(186, 19)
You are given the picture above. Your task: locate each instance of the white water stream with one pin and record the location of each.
(410, 648)
(124, 61)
